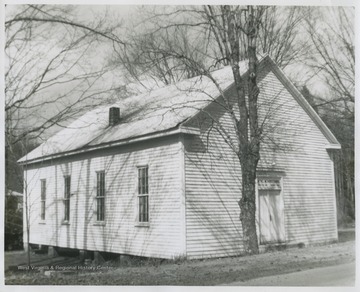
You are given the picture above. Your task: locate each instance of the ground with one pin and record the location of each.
(336, 276)
(187, 273)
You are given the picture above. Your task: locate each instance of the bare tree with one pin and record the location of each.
(332, 58)
(50, 75)
(162, 43)
(161, 56)
(280, 35)
(333, 54)
(48, 62)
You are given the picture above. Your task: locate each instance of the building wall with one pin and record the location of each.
(164, 237)
(212, 191)
(308, 181)
(293, 147)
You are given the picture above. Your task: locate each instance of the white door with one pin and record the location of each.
(271, 216)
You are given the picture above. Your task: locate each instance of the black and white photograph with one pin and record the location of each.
(179, 144)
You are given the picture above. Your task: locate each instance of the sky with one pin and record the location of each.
(127, 14)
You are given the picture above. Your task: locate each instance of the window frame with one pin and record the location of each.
(100, 196)
(66, 198)
(43, 199)
(143, 214)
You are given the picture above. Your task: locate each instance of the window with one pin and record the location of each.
(67, 188)
(100, 196)
(143, 194)
(43, 199)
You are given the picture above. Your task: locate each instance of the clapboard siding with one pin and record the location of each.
(213, 175)
(212, 192)
(164, 236)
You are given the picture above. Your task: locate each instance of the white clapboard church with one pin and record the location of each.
(152, 175)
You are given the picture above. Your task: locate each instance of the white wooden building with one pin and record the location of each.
(154, 177)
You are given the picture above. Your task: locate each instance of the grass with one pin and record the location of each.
(130, 270)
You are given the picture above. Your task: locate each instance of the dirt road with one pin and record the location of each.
(335, 276)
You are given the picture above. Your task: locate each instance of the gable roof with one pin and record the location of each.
(159, 112)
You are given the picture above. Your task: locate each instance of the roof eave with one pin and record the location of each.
(333, 147)
(177, 130)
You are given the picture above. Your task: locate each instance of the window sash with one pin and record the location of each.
(43, 189)
(43, 200)
(144, 208)
(67, 189)
(66, 200)
(42, 210)
(100, 208)
(143, 194)
(143, 185)
(67, 209)
(100, 196)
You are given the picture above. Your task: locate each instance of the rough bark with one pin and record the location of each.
(247, 205)
(249, 150)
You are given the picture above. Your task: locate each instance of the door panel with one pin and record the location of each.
(272, 227)
(264, 217)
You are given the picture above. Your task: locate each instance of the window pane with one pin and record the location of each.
(140, 209)
(143, 184)
(42, 199)
(100, 196)
(146, 180)
(65, 187)
(43, 189)
(146, 184)
(67, 190)
(143, 209)
(98, 210)
(140, 181)
(97, 184)
(42, 210)
(143, 180)
(67, 210)
(143, 197)
(102, 184)
(102, 209)
(146, 207)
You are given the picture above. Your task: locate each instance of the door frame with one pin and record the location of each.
(278, 175)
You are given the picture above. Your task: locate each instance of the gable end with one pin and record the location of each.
(333, 142)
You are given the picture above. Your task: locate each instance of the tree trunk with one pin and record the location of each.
(249, 152)
(26, 213)
(247, 205)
